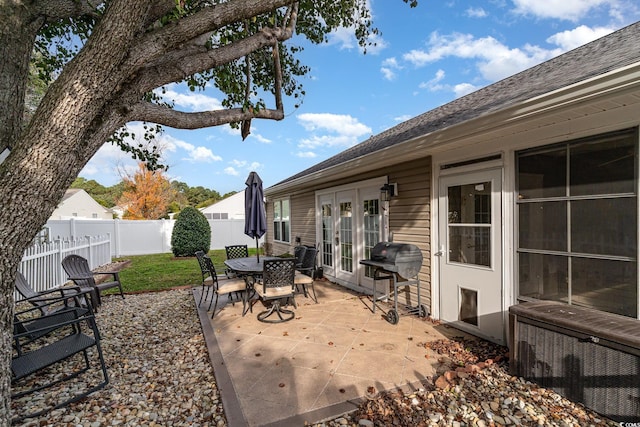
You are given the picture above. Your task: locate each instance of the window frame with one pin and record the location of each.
(569, 199)
(280, 225)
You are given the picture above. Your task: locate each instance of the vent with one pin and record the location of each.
(585, 355)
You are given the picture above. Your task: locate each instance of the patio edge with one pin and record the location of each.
(232, 410)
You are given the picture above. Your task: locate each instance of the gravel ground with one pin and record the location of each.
(160, 376)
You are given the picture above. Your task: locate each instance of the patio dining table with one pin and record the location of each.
(249, 268)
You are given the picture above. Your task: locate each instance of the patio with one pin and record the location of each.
(317, 366)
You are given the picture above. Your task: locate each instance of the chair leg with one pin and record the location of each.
(279, 311)
(215, 305)
(313, 290)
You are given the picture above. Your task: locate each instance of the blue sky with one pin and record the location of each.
(425, 57)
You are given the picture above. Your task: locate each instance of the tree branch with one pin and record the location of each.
(180, 63)
(170, 37)
(146, 111)
(54, 10)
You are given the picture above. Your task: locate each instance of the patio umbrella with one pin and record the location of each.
(255, 218)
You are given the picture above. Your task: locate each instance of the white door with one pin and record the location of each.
(470, 249)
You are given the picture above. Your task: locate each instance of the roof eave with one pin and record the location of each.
(609, 83)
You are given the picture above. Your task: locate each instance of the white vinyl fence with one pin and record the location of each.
(100, 240)
(41, 263)
(146, 237)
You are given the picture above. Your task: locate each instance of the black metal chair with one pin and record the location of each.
(298, 254)
(207, 277)
(53, 339)
(42, 300)
(77, 268)
(236, 286)
(235, 251)
(277, 286)
(306, 272)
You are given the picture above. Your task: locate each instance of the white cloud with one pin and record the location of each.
(476, 12)
(571, 39)
(388, 73)
(495, 60)
(464, 89)
(433, 84)
(388, 65)
(190, 101)
(306, 154)
(570, 10)
(328, 129)
(194, 154)
(231, 171)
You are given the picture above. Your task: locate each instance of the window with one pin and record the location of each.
(577, 213)
(281, 221)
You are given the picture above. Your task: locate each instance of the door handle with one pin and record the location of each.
(440, 252)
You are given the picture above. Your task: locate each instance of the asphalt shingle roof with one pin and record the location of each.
(608, 53)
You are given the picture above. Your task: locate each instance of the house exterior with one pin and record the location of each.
(524, 190)
(77, 203)
(230, 208)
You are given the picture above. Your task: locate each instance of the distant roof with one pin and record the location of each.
(616, 50)
(70, 192)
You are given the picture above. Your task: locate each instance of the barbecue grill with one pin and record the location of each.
(400, 264)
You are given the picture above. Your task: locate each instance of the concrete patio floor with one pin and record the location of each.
(317, 366)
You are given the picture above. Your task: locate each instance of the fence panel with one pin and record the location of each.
(41, 263)
(146, 237)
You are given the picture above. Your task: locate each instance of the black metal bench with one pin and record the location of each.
(41, 342)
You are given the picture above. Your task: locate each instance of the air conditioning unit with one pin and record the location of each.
(585, 355)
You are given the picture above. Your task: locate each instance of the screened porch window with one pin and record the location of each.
(577, 213)
(281, 226)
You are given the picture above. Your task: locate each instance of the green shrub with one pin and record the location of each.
(191, 233)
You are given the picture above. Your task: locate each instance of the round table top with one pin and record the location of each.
(249, 264)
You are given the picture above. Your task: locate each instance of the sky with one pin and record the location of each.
(425, 57)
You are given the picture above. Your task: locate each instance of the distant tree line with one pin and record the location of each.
(149, 195)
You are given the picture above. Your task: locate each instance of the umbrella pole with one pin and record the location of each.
(257, 250)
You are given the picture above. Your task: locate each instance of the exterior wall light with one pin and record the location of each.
(387, 191)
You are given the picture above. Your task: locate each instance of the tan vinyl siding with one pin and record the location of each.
(302, 211)
(410, 220)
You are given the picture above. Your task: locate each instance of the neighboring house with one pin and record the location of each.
(230, 208)
(524, 190)
(77, 203)
(119, 211)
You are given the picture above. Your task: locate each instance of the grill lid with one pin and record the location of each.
(402, 258)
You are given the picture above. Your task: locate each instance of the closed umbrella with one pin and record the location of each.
(255, 217)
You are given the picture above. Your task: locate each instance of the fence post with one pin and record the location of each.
(90, 251)
(59, 270)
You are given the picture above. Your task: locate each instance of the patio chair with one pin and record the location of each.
(298, 254)
(306, 273)
(277, 286)
(77, 268)
(235, 251)
(42, 299)
(53, 339)
(230, 287)
(207, 277)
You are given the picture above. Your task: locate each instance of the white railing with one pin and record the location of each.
(42, 263)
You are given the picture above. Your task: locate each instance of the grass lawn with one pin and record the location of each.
(164, 271)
